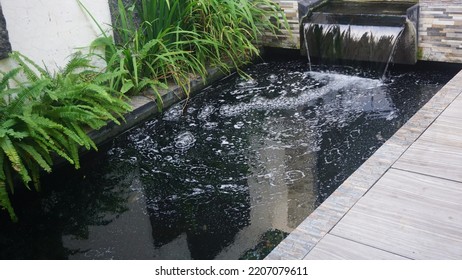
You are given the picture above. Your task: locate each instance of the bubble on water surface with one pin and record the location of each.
(185, 140)
(238, 125)
(206, 112)
(247, 84)
(173, 113)
(272, 78)
(210, 125)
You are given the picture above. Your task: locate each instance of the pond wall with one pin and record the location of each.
(440, 30)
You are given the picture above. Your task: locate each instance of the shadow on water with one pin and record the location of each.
(227, 176)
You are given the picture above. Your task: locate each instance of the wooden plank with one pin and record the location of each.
(432, 159)
(411, 215)
(438, 152)
(454, 110)
(445, 130)
(332, 247)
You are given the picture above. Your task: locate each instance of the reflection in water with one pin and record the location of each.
(242, 165)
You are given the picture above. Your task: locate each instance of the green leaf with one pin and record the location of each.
(35, 156)
(16, 163)
(127, 86)
(5, 202)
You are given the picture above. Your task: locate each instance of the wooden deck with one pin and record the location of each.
(405, 202)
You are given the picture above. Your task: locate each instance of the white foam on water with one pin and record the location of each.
(251, 83)
(206, 112)
(333, 81)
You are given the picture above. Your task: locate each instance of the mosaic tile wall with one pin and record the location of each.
(440, 31)
(288, 39)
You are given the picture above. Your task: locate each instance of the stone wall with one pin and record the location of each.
(5, 46)
(288, 39)
(440, 31)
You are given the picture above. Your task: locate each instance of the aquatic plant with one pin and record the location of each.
(237, 26)
(150, 53)
(45, 116)
(175, 40)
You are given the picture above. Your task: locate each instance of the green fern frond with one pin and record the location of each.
(28, 66)
(38, 126)
(26, 96)
(100, 90)
(82, 134)
(74, 152)
(52, 147)
(77, 62)
(16, 163)
(7, 147)
(15, 134)
(9, 123)
(148, 48)
(9, 177)
(43, 151)
(2, 166)
(108, 76)
(5, 201)
(34, 172)
(7, 77)
(36, 156)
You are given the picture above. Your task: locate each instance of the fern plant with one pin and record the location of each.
(48, 114)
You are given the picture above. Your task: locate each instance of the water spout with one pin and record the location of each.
(307, 48)
(339, 42)
(364, 31)
(392, 53)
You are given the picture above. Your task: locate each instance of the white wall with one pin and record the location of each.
(48, 31)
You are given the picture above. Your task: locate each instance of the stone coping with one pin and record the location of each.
(303, 239)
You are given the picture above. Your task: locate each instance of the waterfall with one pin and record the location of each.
(334, 42)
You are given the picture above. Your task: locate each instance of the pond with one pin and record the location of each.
(226, 175)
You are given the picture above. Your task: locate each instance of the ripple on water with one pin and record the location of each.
(185, 141)
(294, 175)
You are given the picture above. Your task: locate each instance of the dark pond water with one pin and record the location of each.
(225, 176)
